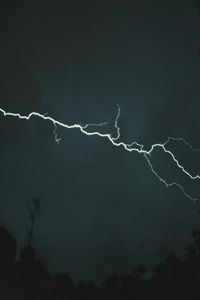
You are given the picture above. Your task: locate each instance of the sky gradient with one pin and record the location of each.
(103, 209)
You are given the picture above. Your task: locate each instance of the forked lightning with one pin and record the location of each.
(134, 146)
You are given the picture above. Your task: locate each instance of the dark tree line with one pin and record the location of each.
(26, 278)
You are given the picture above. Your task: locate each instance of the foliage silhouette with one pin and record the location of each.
(26, 278)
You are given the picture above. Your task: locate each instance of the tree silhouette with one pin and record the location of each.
(174, 278)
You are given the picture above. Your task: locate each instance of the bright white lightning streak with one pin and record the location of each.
(134, 146)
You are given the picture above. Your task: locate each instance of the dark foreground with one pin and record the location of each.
(26, 278)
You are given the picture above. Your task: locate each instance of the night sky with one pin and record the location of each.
(103, 210)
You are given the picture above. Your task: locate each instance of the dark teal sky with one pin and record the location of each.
(103, 209)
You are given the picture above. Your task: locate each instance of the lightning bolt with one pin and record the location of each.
(115, 140)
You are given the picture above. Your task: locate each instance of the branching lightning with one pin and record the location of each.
(115, 140)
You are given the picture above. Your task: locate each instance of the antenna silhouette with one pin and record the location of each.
(34, 211)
